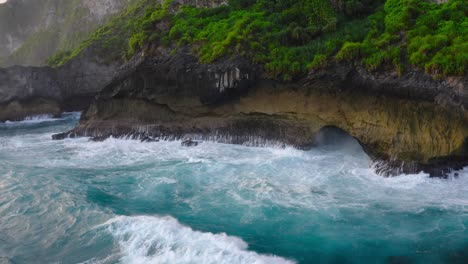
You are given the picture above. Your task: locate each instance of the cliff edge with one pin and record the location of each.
(407, 123)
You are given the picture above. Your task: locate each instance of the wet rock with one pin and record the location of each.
(149, 140)
(65, 135)
(60, 136)
(99, 138)
(29, 91)
(19, 110)
(396, 120)
(189, 143)
(440, 167)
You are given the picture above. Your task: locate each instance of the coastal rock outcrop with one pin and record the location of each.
(27, 91)
(407, 123)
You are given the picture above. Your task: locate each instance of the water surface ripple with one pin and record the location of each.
(122, 201)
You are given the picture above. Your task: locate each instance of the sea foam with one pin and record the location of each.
(150, 239)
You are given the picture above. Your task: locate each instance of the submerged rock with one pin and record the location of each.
(149, 140)
(99, 138)
(62, 136)
(189, 143)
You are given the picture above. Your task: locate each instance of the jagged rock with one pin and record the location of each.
(148, 139)
(62, 136)
(99, 138)
(397, 120)
(28, 91)
(189, 143)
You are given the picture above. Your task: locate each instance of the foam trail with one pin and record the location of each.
(43, 118)
(34, 119)
(148, 239)
(324, 205)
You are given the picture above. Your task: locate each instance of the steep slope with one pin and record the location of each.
(71, 85)
(252, 73)
(290, 38)
(33, 30)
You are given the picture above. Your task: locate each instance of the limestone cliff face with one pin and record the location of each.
(33, 30)
(407, 123)
(27, 91)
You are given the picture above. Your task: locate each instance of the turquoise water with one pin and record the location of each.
(122, 201)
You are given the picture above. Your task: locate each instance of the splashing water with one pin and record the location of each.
(122, 201)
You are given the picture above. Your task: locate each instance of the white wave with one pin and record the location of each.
(33, 119)
(314, 180)
(44, 118)
(147, 239)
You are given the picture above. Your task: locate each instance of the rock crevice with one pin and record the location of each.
(400, 121)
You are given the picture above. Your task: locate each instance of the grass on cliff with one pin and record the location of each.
(111, 41)
(430, 36)
(291, 37)
(288, 37)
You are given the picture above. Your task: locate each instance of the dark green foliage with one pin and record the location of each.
(115, 40)
(59, 58)
(291, 37)
(428, 35)
(285, 36)
(143, 28)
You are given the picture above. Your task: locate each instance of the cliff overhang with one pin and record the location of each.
(406, 123)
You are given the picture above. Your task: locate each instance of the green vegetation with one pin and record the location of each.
(111, 42)
(291, 37)
(431, 36)
(288, 37)
(38, 29)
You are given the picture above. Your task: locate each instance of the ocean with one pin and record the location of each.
(122, 201)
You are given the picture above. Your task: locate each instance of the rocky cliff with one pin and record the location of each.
(31, 31)
(27, 91)
(408, 118)
(406, 123)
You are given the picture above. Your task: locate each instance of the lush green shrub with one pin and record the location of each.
(285, 36)
(114, 40)
(350, 51)
(431, 36)
(58, 57)
(290, 37)
(320, 61)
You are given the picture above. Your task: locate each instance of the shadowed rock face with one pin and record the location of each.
(27, 91)
(31, 31)
(407, 124)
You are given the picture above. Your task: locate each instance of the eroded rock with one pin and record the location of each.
(189, 143)
(398, 121)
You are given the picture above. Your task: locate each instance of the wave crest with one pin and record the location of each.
(147, 239)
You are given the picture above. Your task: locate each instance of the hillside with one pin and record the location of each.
(290, 38)
(33, 30)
